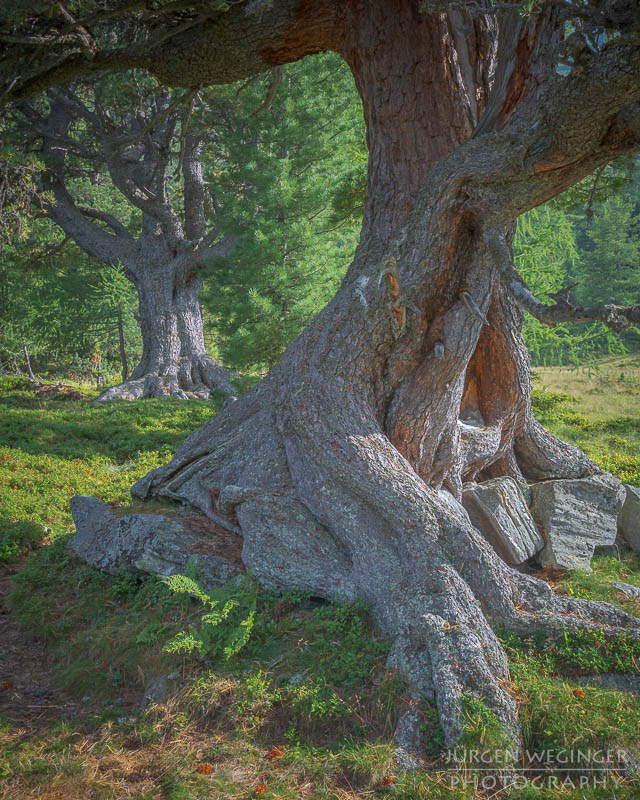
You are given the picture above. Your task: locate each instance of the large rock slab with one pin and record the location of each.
(629, 518)
(153, 543)
(576, 515)
(497, 508)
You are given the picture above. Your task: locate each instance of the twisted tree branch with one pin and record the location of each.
(616, 317)
(108, 219)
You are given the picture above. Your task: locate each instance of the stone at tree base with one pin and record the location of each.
(629, 518)
(627, 588)
(156, 691)
(497, 508)
(577, 516)
(150, 543)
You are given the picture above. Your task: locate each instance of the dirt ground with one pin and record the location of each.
(29, 698)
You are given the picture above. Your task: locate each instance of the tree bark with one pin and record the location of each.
(344, 465)
(163, 260)
(174, 360)
(121, 345)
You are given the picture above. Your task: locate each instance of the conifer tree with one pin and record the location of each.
(278, 173)
(611, 261)
(547, 255)
(144, 210)
(60, 304)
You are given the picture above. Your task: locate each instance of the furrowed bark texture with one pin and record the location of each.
(174, 358)
(343, 467)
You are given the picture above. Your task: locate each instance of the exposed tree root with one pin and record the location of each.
(193, 377)
(330, 506)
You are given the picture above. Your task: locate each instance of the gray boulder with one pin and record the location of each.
(577, 515)
(497, 508)
(629, 518)
(627, 588)
(156, 691)
(152, 543)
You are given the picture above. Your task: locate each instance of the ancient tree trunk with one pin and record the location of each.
(344, 466)
(174, 358)
(163, 260)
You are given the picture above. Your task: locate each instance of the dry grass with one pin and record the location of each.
(610, 389)
(170, 752)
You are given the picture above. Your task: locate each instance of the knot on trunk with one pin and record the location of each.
(231, 496)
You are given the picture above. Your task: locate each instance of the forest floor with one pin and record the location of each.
(304, 708)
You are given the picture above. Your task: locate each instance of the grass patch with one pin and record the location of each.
(597, 410)
(558, 714)
(308, 687)
(107, 632)
(304, 708)
(51, 450)
(598, 585)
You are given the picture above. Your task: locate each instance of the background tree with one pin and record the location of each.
(611, 260)
(547, 256)
(137, 142)
(342, 467)
(609, 242)
(277, 173)
(58, 303)
(17, 192)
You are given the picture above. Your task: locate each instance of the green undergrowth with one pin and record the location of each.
(53, 449)
(598, 584)
(613, 443)
(558, 713)
(581, 653)
(305, 677)
(110, 630)
(299, 701)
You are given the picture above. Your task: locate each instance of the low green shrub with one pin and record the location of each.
(226, 626)
(13, 383)
(592, 652)
(104, 630)
(579, 652)
(346, 650)
(544, 401)
(17, 538)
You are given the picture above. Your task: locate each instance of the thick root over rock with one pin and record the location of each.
(333, 508)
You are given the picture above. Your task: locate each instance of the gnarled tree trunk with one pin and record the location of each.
(162, 262)
(344, 465)
(174, 358)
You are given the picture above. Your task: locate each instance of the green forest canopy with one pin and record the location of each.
(286, 170)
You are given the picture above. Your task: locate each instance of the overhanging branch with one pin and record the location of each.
(108, 219)
(188, 44)
(616, 317)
